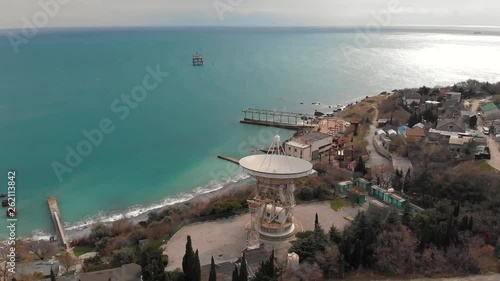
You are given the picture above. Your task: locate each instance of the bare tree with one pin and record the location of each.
(395, 252)
(305, 272)
(4, 269)
(67, 261)
(328, 261)
(42, 248)
(383, 174)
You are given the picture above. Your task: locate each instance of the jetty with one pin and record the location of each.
(228, 158)
(55, 214)
(278, 119)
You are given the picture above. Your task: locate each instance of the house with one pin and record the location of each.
(412, 98)
(450, 125)
(380, 133)
(458, 143)
(482, 152)
(418, 125)
(342, 188)
(388, 197)
(127, 272)
(44, 267)
(492, 114)
(364, 183)
(391, 133)
(466, 115)
(415, 133)
(453, 96)
(396, 200)
(386, 142)
(487, 107)
(357, 195)
(309, 146)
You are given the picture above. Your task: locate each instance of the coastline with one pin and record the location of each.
(78, 232)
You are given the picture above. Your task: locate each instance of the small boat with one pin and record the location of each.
(5, 203)
(11, 213)
(3, 195)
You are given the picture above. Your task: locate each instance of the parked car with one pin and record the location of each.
(486, 130)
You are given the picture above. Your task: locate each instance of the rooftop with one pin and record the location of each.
(446, 122)
(297, 144)
(488, 106)
(398, 198)
(415, 132)
(313, 136)
(345, 182)
(457, 140)
(412, 95)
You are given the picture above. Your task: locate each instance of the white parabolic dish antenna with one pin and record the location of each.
(276, 166)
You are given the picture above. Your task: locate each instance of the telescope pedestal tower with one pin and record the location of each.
(271, 209)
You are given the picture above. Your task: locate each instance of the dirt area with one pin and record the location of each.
(225, 239)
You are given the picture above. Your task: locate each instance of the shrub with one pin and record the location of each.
(306, 194)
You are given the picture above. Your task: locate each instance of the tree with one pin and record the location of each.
(334, 234)
(52, 275)
(383, 174)
(395, 252)
(153, 266)
(473, 121)
(213, 276)
(42, 248)
(235, 274)
(497, 249)
(98, 232)
(67, 261)
(122, 256)
(456, 210)
(328, 261)
(407, 215)
(196, 268)
(267, 270)
(187, 260)
(360, 166)
(243, 269)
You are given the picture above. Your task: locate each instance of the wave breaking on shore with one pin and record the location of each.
(138, 210)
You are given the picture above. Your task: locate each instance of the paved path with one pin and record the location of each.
(375, 158)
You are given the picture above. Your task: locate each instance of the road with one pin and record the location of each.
(375, 158)
(491, 143)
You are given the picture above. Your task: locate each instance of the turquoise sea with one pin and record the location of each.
(65, 81)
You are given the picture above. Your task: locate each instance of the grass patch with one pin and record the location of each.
(82, 250)
(485, 166)
(337, 204)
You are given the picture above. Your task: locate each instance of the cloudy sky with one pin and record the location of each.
(82, 13)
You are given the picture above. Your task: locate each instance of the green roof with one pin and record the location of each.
(488, 106)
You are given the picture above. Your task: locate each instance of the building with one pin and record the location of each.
(418, 125)
(412, 98)
(453, 96)
(450, 125)
(309, 146)
(492, 114)
(127, 272)
(364, 183)
(466, 115)
(487, 107)
(44, 267)
(391, 133)
(342, 188)
(299, 150)
(458, 143)
(388, 197)
(414, 133)
(357, 195)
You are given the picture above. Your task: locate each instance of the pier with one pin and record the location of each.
(230, 159)
(55, 214)
(275, 118)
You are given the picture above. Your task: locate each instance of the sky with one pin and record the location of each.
(96, 13)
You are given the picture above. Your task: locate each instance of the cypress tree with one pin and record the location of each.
(235, 274)
(196, 268)
(187, 260)
(456, 211)
(407, 215)
(213, 276)
(52, 275)
(497, 249)
(334, 235)
(464, 224)
(470, 224)
(243, 269)
(316, 221)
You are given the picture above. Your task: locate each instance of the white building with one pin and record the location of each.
(309, 146)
